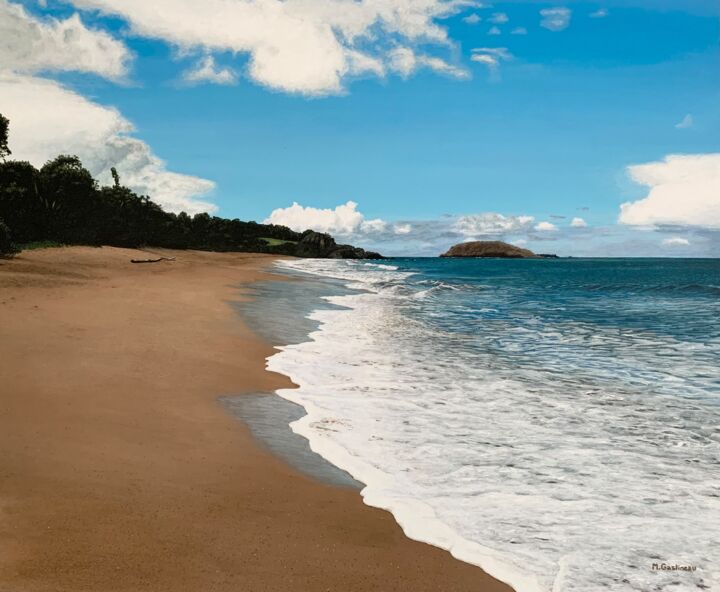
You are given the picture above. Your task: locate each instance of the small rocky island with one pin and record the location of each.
(497, 249)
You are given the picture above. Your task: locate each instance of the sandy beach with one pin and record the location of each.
(119, 469)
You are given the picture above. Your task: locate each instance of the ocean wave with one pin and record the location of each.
(528, 434)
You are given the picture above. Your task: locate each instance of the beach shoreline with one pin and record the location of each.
(119, 468)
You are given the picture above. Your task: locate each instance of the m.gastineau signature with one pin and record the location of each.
(672, 567)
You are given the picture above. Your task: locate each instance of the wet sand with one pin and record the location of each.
(121, 471)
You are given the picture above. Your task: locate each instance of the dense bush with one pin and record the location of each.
(7, 247)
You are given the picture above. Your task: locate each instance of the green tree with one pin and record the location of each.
(4, 133)
(20, 205)
(69, 197)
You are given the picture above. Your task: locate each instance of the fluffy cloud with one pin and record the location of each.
(30, 45)
(99, 135)
(342, 220)
(207, 71)
(494, 31)
(472, 19)
(676, 242)
(545, 227)
(686, 122)
(578, 223)
(555, 19)
(301, 46)
(684, 191)
(491, 224)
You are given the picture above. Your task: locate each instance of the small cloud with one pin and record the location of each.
(373, 226)
(494, 31)
(676, 242)
(472, 19)
(405, 61)
(555, 19)
(519, 31)
(499, 18)
(545, 227)
(599, 13)
(491, 56)
(578, 223)
(207, 71)
(402, 228)
(686, 122)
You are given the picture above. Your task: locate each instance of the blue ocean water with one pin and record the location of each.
(556, 421)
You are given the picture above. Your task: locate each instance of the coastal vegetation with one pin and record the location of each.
(62, 203)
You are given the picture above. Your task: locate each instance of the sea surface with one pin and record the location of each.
(556, 422)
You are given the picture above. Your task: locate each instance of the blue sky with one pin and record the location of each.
(547, 129)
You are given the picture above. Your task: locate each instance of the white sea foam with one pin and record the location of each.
(547, 479)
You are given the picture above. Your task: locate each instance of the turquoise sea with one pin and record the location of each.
(555, 421)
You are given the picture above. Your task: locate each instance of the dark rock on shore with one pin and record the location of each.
(489, 249)
(321, 245)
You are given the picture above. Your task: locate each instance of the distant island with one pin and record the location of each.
(497, 249)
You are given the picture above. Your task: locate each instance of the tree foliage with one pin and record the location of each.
(7, 247)
(4, 132)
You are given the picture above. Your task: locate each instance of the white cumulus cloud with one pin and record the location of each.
(99, 135)
(684, 191)
(578, 223)
(309, 47)
(472, 19)
(545, 227)
(206, 70)
(494, 31)
(555, 19)
(29, 45)
(491, 223)
(344, 219)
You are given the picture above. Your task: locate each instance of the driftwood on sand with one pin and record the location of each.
(152, 260)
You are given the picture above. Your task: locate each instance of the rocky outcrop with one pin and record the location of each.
(321, 245)
(489, 249)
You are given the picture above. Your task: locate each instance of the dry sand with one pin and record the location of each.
(119, 470)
